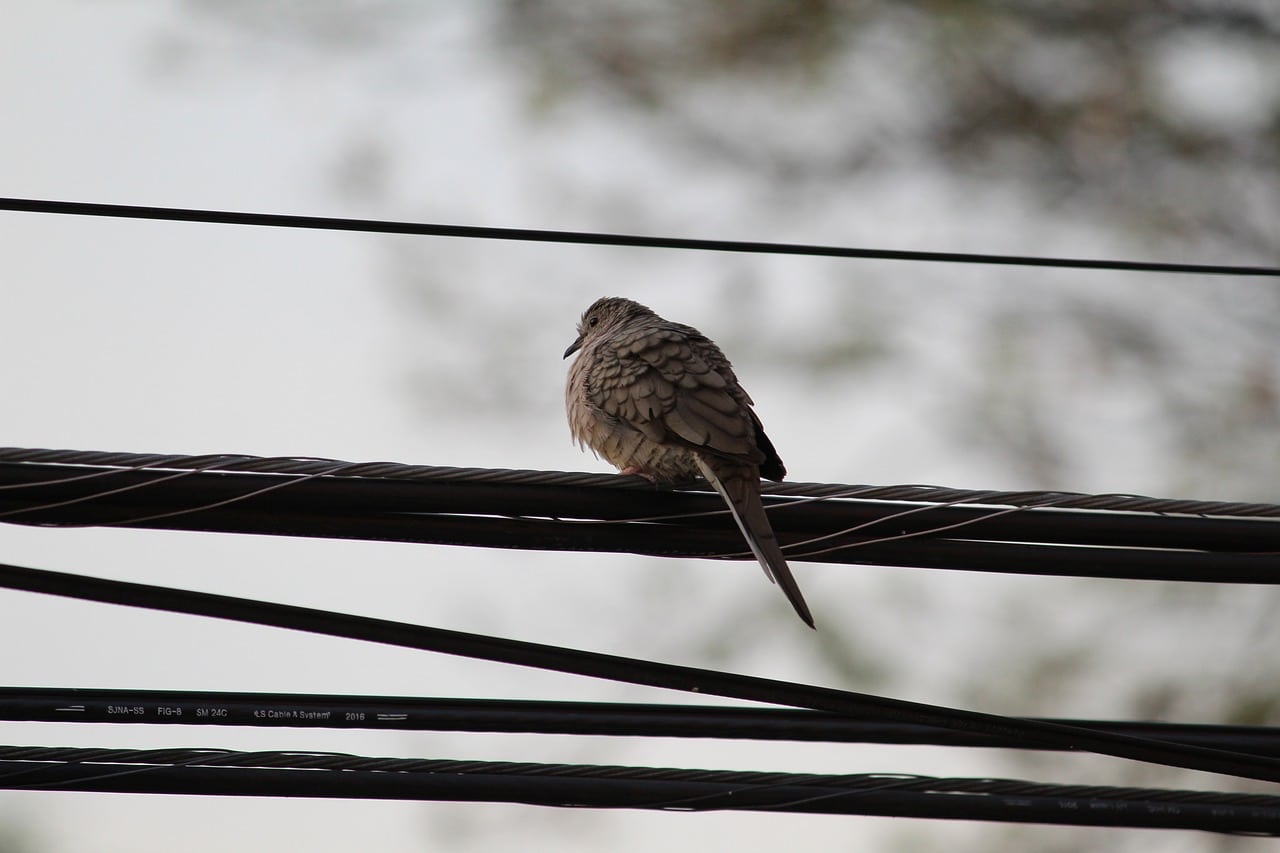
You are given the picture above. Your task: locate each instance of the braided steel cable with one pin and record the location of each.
(310, 466)
(1222, 542)
(327, 774)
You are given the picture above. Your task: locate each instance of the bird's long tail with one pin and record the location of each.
(740, 488)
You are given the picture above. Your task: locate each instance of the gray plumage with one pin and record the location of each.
(660, 399)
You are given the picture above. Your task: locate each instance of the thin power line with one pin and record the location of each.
(596, 238)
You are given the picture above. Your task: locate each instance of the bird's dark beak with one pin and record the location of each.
(573, 347)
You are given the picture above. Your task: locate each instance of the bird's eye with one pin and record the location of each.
(593, 321)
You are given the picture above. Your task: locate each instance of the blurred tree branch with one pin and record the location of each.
(1136, 127)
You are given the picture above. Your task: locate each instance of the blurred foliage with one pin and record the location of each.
(1089, 103)
(345, 25)
(1037, 125)
(1133, 128)
(1157, 124)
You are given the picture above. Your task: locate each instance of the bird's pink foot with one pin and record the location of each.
(639, 472)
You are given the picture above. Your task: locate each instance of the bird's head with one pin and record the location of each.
(605, 315)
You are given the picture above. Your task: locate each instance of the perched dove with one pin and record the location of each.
(659, 399)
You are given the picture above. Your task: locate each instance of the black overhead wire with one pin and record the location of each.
(115, 461)
(542, 235)
(918, 526)
(326, 774)
(616, 719)
(636, 671)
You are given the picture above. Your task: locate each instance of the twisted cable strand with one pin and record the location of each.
(916, 493)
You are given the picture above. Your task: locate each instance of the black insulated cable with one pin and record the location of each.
(315, 774)
(635, 671)
(542, 235)
(617, 719)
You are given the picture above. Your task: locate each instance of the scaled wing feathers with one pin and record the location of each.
(672, 386)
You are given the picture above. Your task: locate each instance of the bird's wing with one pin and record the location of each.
(672, 386)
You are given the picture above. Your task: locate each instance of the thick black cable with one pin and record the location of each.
(681, 541)
(309, 774)
(618, 719)
(527, 509)
(399, 471)
(540, 235)
(633, 670)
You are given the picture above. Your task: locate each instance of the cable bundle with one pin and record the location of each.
(921, 526)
